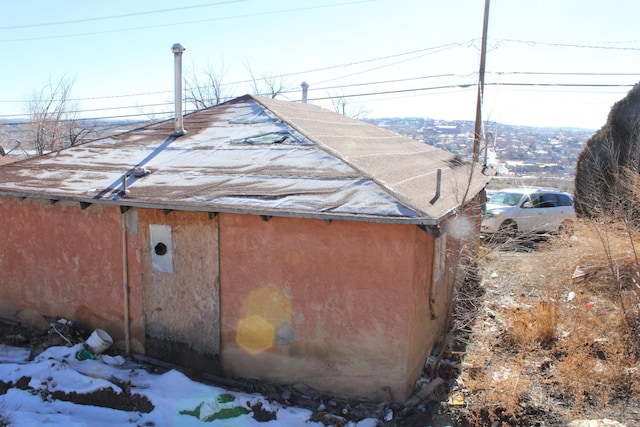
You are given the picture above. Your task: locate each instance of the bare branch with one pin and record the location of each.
(50, 116)
(266, 85)
(342, 105)
(206, 89)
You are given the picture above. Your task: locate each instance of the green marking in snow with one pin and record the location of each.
(226, 398)
(193, 413)
(221, 414)
(225, 413)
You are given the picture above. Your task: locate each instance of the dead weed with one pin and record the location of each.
(562, 340)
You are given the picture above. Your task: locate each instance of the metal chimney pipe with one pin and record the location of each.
(438, 185)
(177, 50)
(305, 89)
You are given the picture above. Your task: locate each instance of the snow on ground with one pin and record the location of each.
(177, 400)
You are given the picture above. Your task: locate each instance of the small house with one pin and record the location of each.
(271, 240)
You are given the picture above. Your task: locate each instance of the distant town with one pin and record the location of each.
(519, 154)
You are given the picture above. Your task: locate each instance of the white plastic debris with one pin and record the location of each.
(113, 360)
(578, 272)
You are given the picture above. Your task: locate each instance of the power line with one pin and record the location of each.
(465, 75)
(224, 18)
(331, 67)
(168, 103)
(583, 46)
(591, 74)
(388, 81)
(551, 73)
(388, 92)
(100, 97)
(562, 84)
(441, 47)
(358, 95)
(586, 74)
(386, 65)
(120, 116)
(448, 45)
(163, 104)
(126, 15)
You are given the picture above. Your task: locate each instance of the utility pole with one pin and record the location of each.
(483, 53)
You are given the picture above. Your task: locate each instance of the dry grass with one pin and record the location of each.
(501, 385)
(535, 327)
(561, 335)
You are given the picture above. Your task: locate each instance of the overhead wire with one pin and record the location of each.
(198, 21)
(450, 88)
(277, 76)
(408, 79)
(440, 49)
(353, 64)
(353, 95)
(426, 51)
(472, 85)
(124, 15)
(575, 45)
(418, 52)
(553, 73)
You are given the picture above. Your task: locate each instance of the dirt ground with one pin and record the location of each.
(538, 344)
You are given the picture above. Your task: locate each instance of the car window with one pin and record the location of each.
(507, 199)
(534, 199)
(548, 200)
(565, 200)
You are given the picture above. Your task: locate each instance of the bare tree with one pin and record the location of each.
(266, 85)
(79, 131)
(53, 123)
(343, 105)
(206, 89)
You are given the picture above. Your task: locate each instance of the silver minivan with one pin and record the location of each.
(528, 210)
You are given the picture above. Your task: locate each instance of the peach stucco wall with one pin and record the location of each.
(65, 261)
(425, 326)
(331, 305)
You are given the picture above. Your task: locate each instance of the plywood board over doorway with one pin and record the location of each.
(180, 267)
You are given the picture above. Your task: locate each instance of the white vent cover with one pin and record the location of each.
(161, 248)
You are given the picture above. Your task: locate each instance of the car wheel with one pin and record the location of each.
(508, 230)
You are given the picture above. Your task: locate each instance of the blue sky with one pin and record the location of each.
(389, 58)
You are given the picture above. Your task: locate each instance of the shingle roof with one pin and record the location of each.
(5, 160)
(257, 155)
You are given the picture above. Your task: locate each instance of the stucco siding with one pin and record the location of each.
(321, 303)
(64, 261)
(434, 295)
(426, 325)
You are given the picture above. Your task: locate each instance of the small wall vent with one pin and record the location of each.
(161, 248)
